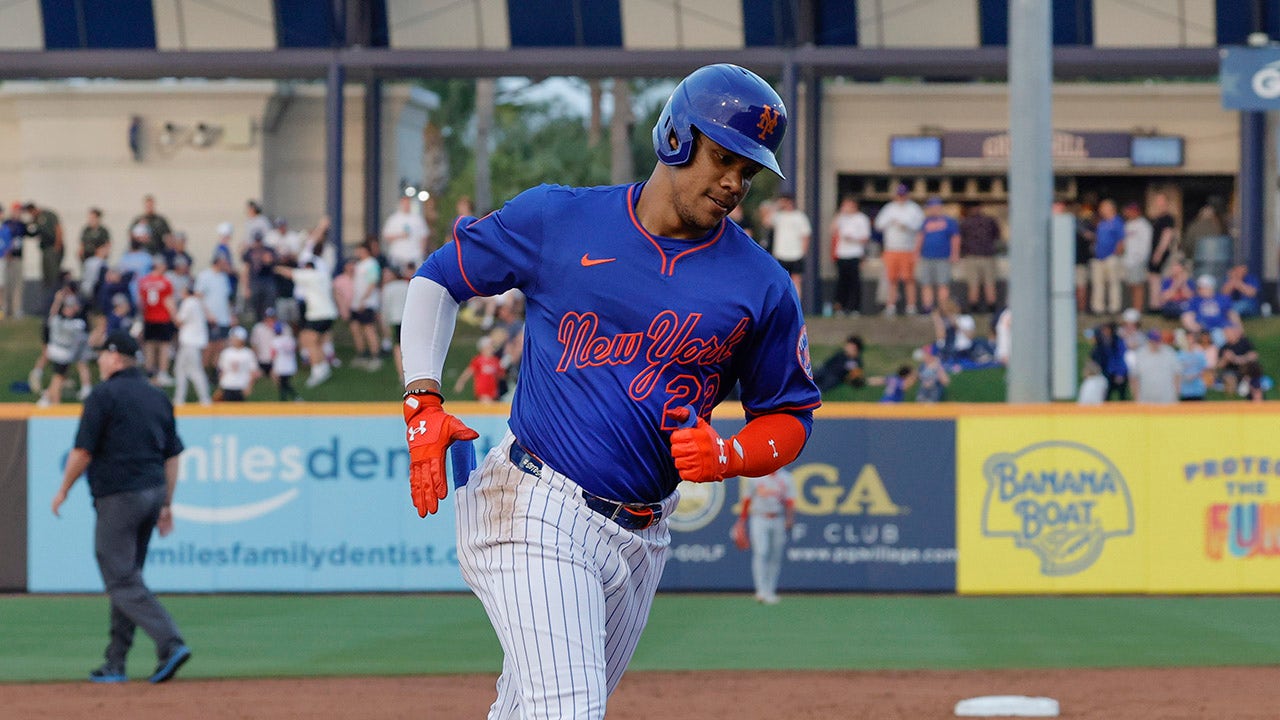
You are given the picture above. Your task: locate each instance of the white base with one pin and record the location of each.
(1007, 706)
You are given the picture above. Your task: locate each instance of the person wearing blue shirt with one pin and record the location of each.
(1106, 272)
(938, 248)
(1241, 286)
(1108, 352)
(1209, 310)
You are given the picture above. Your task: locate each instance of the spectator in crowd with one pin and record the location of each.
(1086, 236)
(344, 289)
(1238, 361)
(1242, 288)
(364, 307)
(1175, 292)
(12, 234)
(1131, 332)
(1106, 273)
(179, 275)
(1207, 223)
(261, 336)
(225, 231)
(1093, 389)
(214, 285)
(158, 311)
(791, 236)
(850, 233)
(44, 226)
(937, 250)
(1108, 352)
(1003, 329)
(932, 378)
(237, 368)
(1137, 252)
(158, 230)
(1164, 231)
(1209, 310)
(405, 235)
(896, 385)
(843, 367)
(1204, 341)
(175, 250)
(484, 372)
(121, 315)
(952, 331)
(395, 291)
(1156, 373)
(316, 288)
(256, 225)
(92, 273)
(193, 338)
(1193, 365)
(737, 214)
(284, 241)
(979, 243)
(258, 277)
(67, 346)
(136, 264)
(899, 221)
(93, 235)
(284, 361)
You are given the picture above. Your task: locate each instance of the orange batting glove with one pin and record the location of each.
(700, 453)
(430, 431)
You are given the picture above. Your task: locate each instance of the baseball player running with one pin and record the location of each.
(645, 307)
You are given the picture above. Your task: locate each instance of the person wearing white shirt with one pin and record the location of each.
(1137, 252)
(315, 287)
(395, 291)
(256, 225)
(405, 236)
(193, 337)
(791, 233)
(284, 361)
(899, 221)
(213, 284)
(237, 367)
(364, 308)
(850, 232)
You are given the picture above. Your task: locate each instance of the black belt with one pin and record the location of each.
(632, 516)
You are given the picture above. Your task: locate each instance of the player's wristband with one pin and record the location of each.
(424, 391)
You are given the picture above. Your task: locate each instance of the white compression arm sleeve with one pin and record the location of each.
(427, 329)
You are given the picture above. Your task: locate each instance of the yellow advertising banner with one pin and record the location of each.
(1118, 503)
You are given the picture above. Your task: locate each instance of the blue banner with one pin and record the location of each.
(875, 511)
(1250, 78)
(288, 503)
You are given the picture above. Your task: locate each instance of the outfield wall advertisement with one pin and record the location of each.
(1160, 504)
(290, 503)
(875, 510)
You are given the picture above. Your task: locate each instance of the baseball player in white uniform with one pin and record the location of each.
(768, 512)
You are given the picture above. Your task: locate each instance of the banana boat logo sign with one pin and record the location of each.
(1060, 500)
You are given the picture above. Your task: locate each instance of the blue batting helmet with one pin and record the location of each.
(729, 104)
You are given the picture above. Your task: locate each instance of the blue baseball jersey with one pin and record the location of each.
(938, 231)
(622, 325)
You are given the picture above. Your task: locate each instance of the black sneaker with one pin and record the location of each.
(108, 674)
(169, 666)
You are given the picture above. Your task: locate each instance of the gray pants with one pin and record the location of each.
(768, 538)
(125, 523)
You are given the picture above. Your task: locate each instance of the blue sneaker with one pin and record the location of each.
(108, 674)
(169, 666)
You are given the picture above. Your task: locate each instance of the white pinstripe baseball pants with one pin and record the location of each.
(567, 590)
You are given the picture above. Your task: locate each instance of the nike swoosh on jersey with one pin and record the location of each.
(588, 262)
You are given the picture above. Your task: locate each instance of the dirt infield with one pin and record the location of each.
(1120, 694)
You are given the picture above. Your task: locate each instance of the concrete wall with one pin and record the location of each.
(65, 145)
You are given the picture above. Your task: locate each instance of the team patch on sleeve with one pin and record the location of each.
(802, 352)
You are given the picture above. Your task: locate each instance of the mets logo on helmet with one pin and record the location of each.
(768, 122)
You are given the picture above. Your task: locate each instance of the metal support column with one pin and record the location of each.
(372, 156)
(791, 98)
(1030, 196)
(1253, 183)
(333, 109)
(813, 296)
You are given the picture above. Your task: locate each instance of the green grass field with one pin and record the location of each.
(48, 638)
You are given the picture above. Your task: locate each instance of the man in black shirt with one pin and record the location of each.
(128, 443)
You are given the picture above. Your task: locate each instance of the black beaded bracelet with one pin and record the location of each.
(424, 391)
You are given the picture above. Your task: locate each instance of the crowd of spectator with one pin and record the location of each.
(262, 307)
